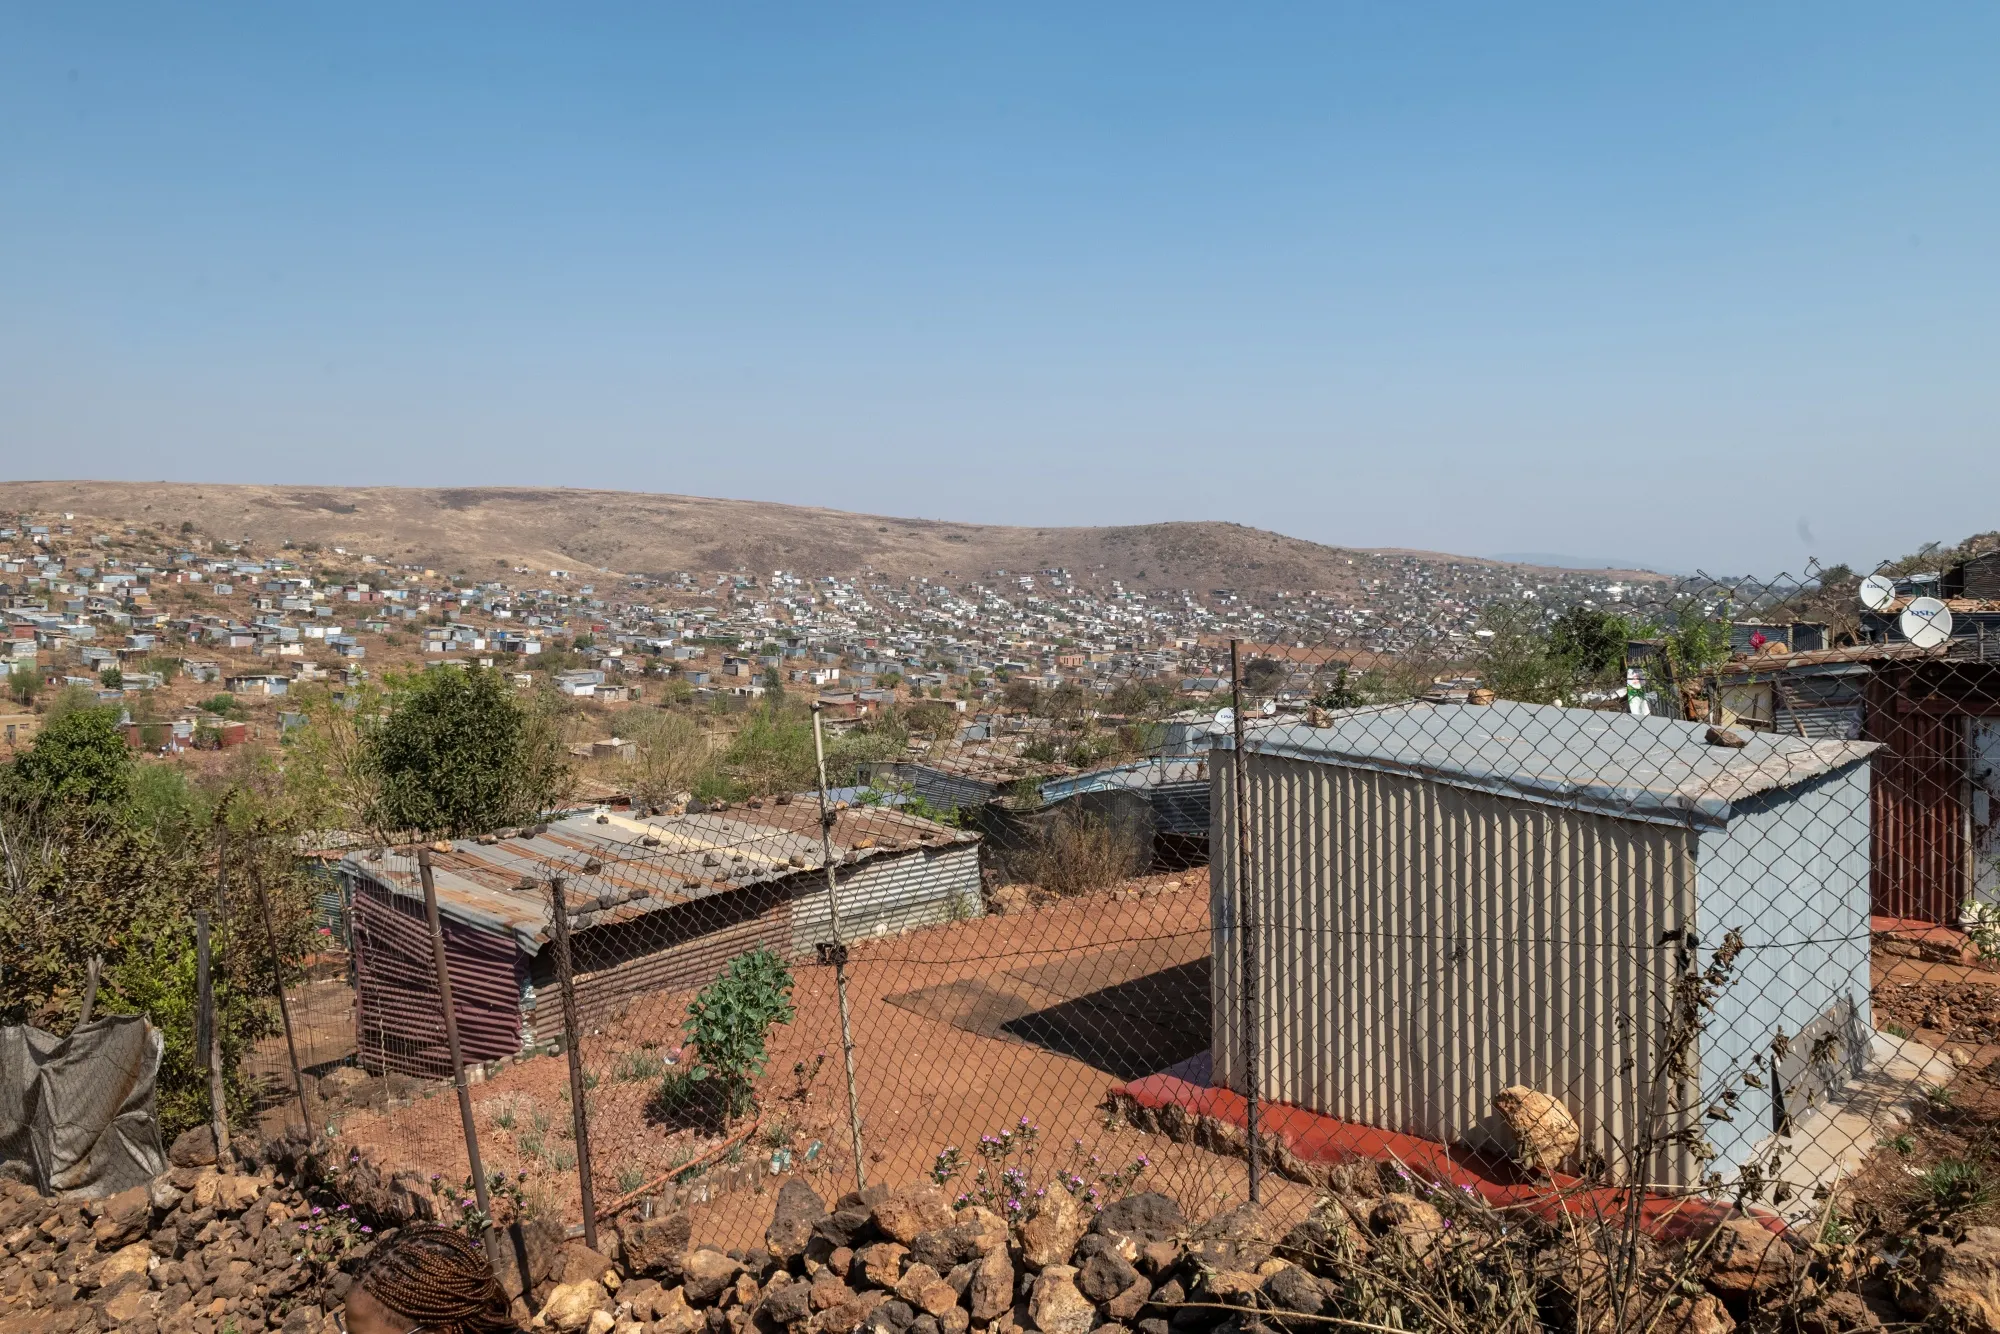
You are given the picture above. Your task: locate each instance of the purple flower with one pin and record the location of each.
(366, 1230)
(317, 1211)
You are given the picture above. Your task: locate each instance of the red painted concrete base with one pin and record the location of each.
(1325, 1139)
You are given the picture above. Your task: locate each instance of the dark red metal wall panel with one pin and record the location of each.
(1919, 856)
(398, 1011)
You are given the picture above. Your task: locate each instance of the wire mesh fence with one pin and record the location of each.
(1645, 912)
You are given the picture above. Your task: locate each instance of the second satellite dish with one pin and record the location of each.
(1926, 622)
(1877, 592)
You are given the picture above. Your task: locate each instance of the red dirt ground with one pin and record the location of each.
(1106, 976)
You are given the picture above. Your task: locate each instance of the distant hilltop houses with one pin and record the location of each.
(164, 620)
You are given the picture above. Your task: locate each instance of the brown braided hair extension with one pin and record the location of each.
(440, 1278)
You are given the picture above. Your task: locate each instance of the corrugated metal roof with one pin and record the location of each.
(616, 868)
(1654, 769)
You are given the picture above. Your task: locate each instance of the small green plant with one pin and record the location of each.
(1895, 1030)
(1955, 1186)
(634, 1067)
(324, 1240)
(504, 1116)
(1902, 1144)
(1940, 1100)
(729, 1024)
(458, 1206)
(630, 1179)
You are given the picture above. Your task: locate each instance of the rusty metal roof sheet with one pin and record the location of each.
(616, 867)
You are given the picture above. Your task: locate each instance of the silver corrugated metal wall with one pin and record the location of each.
(890, 894)
(1422, 946)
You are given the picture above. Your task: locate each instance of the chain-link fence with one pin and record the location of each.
(1640, 910)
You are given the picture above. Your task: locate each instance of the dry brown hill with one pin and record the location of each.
(477, 529)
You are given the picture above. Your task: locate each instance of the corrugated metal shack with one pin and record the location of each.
(1936, 713)
(1451, 899)
(658, 904)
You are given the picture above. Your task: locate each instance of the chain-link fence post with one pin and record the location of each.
(1245, 933)
(572, 1048)
(284, 1006)
(838, 949)
(207, 1042)
(436, 923)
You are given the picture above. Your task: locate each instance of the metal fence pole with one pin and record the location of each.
(436, 922)
(284, 1006)
(1245, 925)
(838, 950)
(573, 1048)
(207, 1041)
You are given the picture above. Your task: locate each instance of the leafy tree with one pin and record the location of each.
(112, 678)
(79, 758)
(1518, 661)
(1590, 644)
(459, 755)
(1340, 691)
(773, 681)
(672, 755)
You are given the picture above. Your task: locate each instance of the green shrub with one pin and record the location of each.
(729, 1024)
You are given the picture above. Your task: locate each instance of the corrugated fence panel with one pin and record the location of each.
(399, 1014)
(1423, 946)
(1919, 868)
(887, 895)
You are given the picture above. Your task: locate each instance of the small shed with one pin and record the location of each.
(656, 905)
(1451, 899)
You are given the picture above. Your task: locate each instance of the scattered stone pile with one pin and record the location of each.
(214, 1252)
(199, 1250)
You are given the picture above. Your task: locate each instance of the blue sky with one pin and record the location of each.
(1695, 285)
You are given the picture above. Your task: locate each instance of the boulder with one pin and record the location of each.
(955, 1321)
(705, 1274)
(1293, 1289)
(787, 1303)
(828, 1291)
(1147, 1216)
(123, 1218)
(577, 1262)
(907, 1214)
(1052, 1231)
(1961, 1283)
(193, 1148)
(1327, 1234)
(881, 1265)
(851, 1314)
(136, 1258)
(925, 1289)
(1747, 1260)
(890, 1317)
(1838, 1313)
(1055, 1304)
(654, 1247)
(991, 1292)
(1542, 1130)
(1238, 1239)
(672, 1314)
(1408, 1223)
(1104, 1275)
(642, 1295)
(849, 1225)
(1126, 1305)
(571, 1305)
(792, 1222)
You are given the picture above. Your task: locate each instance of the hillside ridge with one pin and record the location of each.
(480, 529)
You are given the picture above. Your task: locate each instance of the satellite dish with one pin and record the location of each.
(1225, 718)
(1270, 709)
(1877, 592)
(1926, 622)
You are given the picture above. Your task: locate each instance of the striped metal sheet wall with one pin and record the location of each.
(1423, 946)
(1920, 868)
(399, 1014)
(892, 894)
(682, 948)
